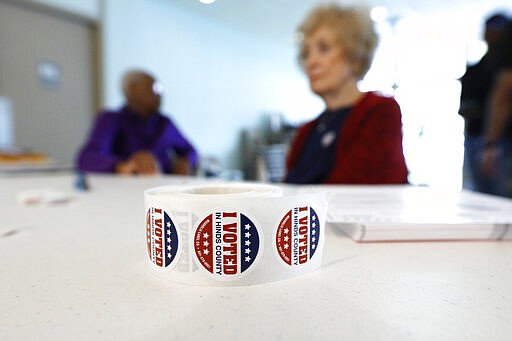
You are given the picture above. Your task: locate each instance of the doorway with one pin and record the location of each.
(48, 72)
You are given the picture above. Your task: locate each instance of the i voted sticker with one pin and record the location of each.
(162, 238)
(227, 244)
(297, 236)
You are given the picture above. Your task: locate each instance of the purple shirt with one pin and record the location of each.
(117, 135)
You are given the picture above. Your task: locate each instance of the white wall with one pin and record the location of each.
(217, 80)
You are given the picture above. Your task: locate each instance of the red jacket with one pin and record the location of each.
(369, 148)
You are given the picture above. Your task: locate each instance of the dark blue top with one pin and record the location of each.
(317, 157)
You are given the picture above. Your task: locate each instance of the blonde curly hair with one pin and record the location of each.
(354, 30)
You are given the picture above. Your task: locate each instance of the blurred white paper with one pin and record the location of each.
(43, 196)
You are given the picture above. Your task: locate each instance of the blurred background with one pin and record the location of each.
(230, 73)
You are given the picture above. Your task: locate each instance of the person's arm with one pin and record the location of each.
(96, 155)
(500, 107)
(187, 158)
(373, 153)
(500, 110)
(388, 156)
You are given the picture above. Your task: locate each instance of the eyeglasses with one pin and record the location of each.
(158, 88)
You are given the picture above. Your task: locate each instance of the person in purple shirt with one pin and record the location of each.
(137, 139)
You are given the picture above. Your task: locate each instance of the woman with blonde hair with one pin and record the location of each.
(358, 138)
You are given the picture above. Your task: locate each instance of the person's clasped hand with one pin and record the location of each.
(142, 162)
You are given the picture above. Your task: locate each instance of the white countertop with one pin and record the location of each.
(78, 270)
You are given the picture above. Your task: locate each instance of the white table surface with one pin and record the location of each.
(78, 271)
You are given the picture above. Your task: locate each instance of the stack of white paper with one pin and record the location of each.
(401, 213)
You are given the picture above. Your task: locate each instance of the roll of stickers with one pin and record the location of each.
(233, 234)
